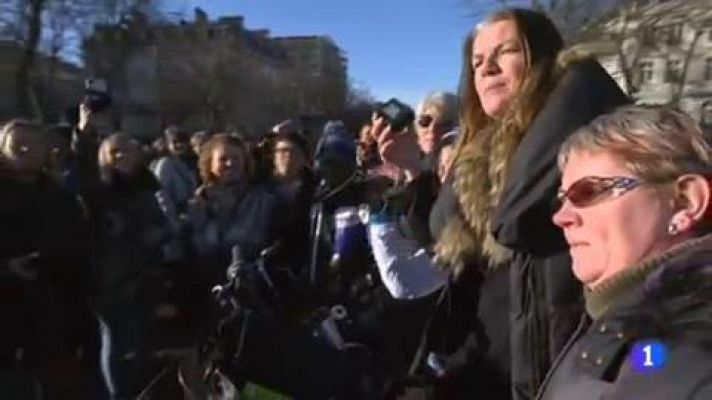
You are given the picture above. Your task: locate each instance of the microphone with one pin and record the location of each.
(236, 265)
(234, 272)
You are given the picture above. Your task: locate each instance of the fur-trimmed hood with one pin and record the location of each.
(492, 169)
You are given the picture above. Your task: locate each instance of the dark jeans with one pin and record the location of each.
(123, 350)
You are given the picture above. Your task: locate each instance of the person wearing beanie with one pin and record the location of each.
(335, 160)
(177, 172)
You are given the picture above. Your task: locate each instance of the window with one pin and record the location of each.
(673, 72)
(708, 68)
(706, 114)
(668, 34)
(646, 71)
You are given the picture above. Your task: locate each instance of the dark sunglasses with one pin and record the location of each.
(591, 189)
(426, 120)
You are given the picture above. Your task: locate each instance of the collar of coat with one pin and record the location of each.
(477, 182)
(661, 287)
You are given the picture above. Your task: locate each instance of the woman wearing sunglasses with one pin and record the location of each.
(436, 115)
(635, 211)
(513, 300)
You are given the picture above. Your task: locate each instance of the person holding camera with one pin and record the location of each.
(513, 301)
(399, 244)
(435, 116)
(129, 232)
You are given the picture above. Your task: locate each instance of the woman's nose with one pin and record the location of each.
(564, 217)
(490, 66)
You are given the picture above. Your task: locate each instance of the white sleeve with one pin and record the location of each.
(405, 268)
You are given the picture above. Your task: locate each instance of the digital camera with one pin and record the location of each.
(96, 95)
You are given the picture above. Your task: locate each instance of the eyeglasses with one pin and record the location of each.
(279, 150)
(426, 120)
(591, 189)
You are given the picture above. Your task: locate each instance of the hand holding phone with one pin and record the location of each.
(397, 114)
(96, 95)
(397, 148)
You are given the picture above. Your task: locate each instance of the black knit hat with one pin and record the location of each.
(295, 138)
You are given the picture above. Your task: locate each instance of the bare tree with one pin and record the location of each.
(27, 104)
(568, 15)
(698, 29)
(638, 28)
(360, 103)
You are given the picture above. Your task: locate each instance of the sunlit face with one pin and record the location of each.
(177, 144)
(620, 228)
(499, 65)
(197, 142)
(431, 126)
(288, 159)
(226, 164)
(26, 151)
(126, 157)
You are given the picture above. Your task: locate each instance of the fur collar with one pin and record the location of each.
(675, 300)
(480, 174)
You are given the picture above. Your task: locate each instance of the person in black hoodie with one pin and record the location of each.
(513, 301)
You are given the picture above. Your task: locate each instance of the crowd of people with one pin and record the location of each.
(533, 237)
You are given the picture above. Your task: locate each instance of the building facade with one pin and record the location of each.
(660, 52)
(214, 74)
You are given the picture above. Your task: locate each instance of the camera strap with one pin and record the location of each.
(419, 356)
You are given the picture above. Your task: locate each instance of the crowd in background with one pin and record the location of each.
(517, 241)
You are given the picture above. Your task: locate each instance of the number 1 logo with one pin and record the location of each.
(649, 356)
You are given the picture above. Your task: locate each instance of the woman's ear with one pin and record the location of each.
(692, 201)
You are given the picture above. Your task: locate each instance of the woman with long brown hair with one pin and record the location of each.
(512, 301)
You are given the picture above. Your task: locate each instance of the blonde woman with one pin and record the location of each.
(436, 115)
(635, 211)
(45, 275)
(129, 232)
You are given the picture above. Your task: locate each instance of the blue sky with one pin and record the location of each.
(395, 48)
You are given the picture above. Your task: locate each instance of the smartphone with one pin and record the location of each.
(96, 85)
(96, 94)
(396, 113)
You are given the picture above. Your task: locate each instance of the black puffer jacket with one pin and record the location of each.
(545, 297)
(667, 299)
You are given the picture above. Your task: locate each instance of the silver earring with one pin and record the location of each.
(672, 229)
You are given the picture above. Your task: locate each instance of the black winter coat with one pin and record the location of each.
(45, 277)
(472, 325)
(128, 233)
(672, 305)
(545, 298)
(537, 304)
